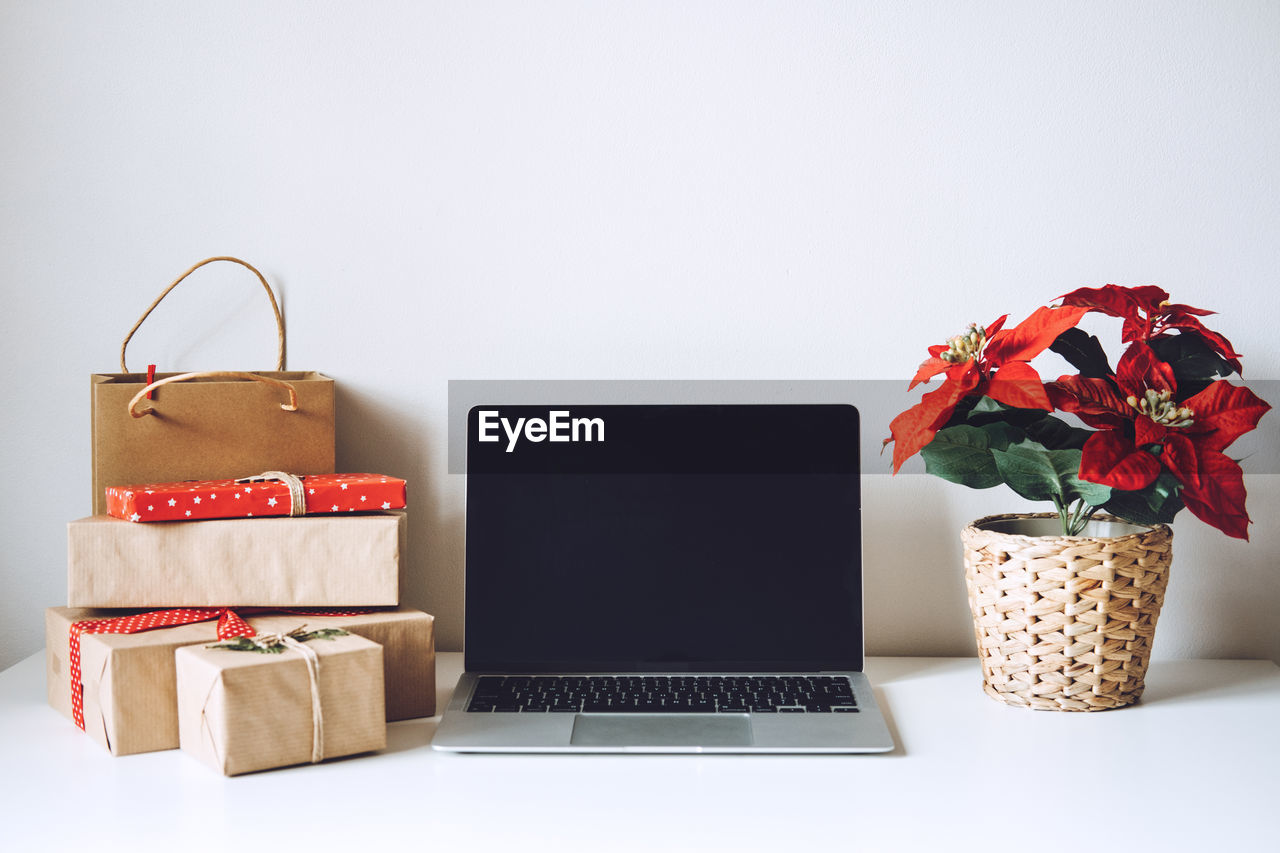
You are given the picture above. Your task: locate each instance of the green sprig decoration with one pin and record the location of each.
(247, 644)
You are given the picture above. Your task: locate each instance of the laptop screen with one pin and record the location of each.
(663, 538)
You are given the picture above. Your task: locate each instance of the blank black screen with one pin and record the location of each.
(691, 538)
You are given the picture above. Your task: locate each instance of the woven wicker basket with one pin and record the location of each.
(1065, 622)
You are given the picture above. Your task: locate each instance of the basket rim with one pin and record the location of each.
(1162, 531)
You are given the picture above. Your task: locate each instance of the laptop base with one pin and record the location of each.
(728, 733)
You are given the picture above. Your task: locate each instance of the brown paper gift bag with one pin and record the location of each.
(209, 425)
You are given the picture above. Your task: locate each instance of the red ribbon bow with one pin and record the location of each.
(230, 624)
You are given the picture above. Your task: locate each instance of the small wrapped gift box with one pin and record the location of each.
(271, 494)
(125, 696)
(279, 700)
(313, 561)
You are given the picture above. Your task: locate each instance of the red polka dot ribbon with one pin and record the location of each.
(230, 624)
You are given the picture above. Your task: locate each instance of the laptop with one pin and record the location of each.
(663, 579)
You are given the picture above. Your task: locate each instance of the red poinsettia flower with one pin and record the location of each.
(1143, 429)
(990, 361)
(1148, 313)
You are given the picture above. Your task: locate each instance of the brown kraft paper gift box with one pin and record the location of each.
(130, 699)
(311, 561)
(243, 711)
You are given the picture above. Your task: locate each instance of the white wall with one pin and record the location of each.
(621, 190)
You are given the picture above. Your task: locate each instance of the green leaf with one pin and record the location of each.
(987, 411)
(1029, 473)
(1056, 434)
(322, 634)
(962, 455)
(1156, 504)
(244, 644)
(1067, 464)
(1195, 364)
(1038, 474)
(1027, 444)
(1001, 435)
(987, 406)
(1084, 352)
(247, 644)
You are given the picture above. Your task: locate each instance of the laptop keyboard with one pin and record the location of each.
(729, 694)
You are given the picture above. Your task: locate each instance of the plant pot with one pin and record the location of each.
(1065, 623)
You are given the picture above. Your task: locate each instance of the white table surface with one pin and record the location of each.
(1194, 766)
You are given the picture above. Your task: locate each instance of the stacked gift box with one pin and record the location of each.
(248, 616)
(153, 676)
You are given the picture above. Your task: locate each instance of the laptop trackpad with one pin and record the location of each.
(661, 730)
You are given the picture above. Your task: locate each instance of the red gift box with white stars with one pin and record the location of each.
(194, 500)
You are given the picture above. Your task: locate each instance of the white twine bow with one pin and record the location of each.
(297, 494)
(289, 640)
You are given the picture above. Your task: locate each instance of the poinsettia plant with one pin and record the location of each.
(1144, 439)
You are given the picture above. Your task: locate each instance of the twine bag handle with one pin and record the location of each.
(271, 296)
(291, 406)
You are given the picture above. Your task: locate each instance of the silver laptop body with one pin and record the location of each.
(663, 579)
